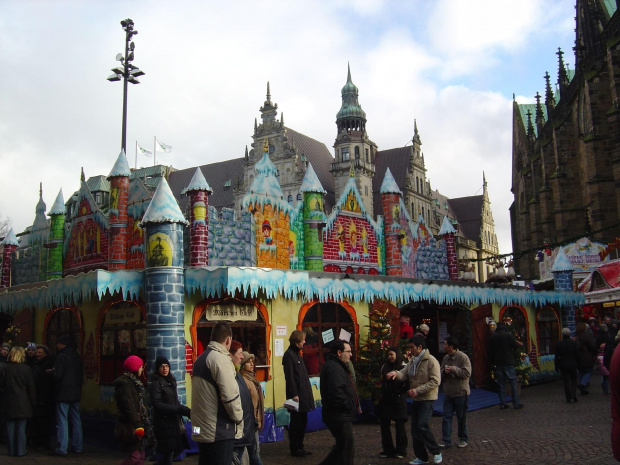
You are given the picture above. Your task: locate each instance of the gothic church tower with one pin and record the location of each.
(354, 151)
(417, 193)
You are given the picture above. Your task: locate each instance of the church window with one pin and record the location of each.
(319, 319)
(412, 210)
(344, 153)
(357, 152)
(548, 330)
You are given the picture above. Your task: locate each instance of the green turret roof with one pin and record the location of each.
(350, 106)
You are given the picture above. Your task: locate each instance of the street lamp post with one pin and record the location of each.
(127, 72)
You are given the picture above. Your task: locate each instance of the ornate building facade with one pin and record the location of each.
(566, 146)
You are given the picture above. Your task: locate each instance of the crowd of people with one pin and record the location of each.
(39, 390)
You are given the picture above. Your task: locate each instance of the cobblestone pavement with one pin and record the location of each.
(546, 431)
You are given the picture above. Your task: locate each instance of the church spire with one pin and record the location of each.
(540, 116)
(268, 110)
(562, 74)
(549, 98)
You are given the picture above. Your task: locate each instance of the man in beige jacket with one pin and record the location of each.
(424, 378)
(217, 416)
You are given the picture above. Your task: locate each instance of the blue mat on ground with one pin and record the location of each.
(478, 399)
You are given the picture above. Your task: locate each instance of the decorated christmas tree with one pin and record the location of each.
(373, 352)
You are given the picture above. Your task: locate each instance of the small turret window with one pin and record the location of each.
(367, 156)
(290, 199)
(299, 197)
(357, 153)
(344, 153)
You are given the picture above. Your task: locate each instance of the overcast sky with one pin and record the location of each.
(452, 65)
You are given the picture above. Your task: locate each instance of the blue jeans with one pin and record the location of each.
(68, 412)
(422, 437)
(216, 453)
(16, 436)
(503, 373)
(452, 405)
(585, 373)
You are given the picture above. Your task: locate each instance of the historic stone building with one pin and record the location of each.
(566, 146)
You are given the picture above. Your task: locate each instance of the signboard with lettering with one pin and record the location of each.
(217, 312)
(123, 314)
(583, 254)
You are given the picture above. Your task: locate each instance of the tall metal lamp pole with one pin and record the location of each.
(127, 72)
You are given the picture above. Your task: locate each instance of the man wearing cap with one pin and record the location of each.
(217, 416)
(68, 372)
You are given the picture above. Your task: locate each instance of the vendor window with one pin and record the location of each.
(322, 323)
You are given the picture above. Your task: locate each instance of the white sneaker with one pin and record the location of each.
(417, 462)
(437, 458)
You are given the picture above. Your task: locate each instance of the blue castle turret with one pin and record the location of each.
(563, 281)
(164, 283)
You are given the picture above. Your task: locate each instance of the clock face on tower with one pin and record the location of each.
(271, 148)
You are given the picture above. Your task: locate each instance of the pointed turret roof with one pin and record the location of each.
(446, 227)
(121, 167)
(163, 208)
(59, 205)
(265, 188)
(10, 238)
(311, 182)
(561, 263)
(198, 183)
(350, 105)
(389, 186)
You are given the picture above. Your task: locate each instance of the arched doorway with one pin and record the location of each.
(323, 322)
(443, 321)
(63, 322)
(249, 322)
(121, 332)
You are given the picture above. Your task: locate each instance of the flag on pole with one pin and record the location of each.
(144, 151)
(161, 147)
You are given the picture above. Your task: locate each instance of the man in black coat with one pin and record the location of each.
(567, 362)
(501, 346)
(68, 373)
(297, 388)
(44, 384)
(340, 403)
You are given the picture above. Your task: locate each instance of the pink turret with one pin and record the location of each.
(119, 193)
(198, 192)
(10, 244)
(390, 200)
(448, 231)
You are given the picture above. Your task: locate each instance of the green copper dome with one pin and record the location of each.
(350, 106)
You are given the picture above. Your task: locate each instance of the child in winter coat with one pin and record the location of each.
(602, 369)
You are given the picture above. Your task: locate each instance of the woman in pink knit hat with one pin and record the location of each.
(133, 426)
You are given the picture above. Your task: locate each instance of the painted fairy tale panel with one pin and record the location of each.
(135, 245)
(272, 238)
(351, 245)
(87, 245)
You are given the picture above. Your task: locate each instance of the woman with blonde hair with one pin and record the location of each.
(18, 396)
(256, 392)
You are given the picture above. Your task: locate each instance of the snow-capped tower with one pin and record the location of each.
(10, 244)
(198, 192)
(56, 237)
(164, 283)
(314, 220)
(390, 200)
(448, 232)
(119, 193)
(271, 213)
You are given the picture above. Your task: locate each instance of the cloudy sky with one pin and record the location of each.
(452, 65)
